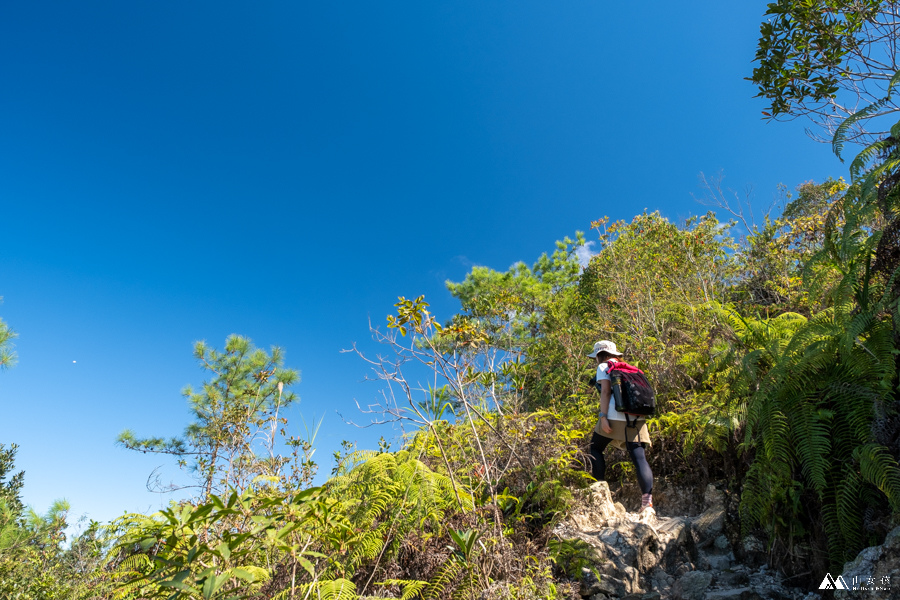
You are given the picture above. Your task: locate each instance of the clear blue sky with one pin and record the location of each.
(171, 172)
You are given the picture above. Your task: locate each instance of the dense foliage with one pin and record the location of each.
(7, 354)
(824, 59)
(774, 354)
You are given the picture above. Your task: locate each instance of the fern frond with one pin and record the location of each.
(880, 469)
(409, 588)
(367, 546)
(444, 577)
(848, 512)
(464, 590)
(840, 134)
(337, 589)
(813, 445)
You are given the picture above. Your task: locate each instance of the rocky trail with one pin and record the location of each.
(644, 556)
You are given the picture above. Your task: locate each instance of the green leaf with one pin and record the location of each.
(307, 566)
(249, 573)
(178, 585)
(224, 550)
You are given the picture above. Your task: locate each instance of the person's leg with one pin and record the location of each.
(598, 463)
(642, 467)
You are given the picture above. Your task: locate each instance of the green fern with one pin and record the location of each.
(409, 588)
(813, 386)
(443, 579)
(383, 498)
(337, 589)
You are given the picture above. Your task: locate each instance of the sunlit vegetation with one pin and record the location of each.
(773, 348)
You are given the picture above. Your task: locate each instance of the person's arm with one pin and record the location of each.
(605, 394)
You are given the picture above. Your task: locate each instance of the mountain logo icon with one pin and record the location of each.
(830, 583)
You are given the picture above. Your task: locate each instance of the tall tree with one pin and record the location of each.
(237, 417)
(10, 483)
(650, 287)
(11, 506)
(510, 310)
(7, 355)
(509, 306)
(826, 59)
(774, 257)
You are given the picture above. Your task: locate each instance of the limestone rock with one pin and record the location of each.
(732, 578)
(875, 572)
(692, 585)
(596, 510)
(713, 497)
(767, 584)
(642, 556)
(743, 593)
(631, 577)
(720, 562)
(633, 545)
(676, 535)
(753, 551)
(709, 525)
(591, 586)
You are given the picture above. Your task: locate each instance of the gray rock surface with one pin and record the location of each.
(642, 556)
(743, 593)
(591, 586)
(732, 578)
(709, 525)
(692, 585)
(637, 549)
(875, 572)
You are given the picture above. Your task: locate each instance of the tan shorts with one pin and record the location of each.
(622, 434)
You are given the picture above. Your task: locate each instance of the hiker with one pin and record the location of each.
(616, 428)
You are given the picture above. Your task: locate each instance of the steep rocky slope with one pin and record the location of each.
(647, 556)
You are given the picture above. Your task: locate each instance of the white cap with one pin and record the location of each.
(605, 346)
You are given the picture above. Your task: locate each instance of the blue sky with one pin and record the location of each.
(172, 172)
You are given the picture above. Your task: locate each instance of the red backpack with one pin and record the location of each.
(632, 392)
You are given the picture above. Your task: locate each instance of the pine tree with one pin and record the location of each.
(7, 355)
(236, 418)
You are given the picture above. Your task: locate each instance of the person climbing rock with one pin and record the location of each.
(614, 428)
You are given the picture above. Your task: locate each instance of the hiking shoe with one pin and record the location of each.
(646, 502)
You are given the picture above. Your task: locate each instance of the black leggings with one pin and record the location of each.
(635, 449)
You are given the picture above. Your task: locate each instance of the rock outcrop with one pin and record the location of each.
(645, 556)
(875, 572)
